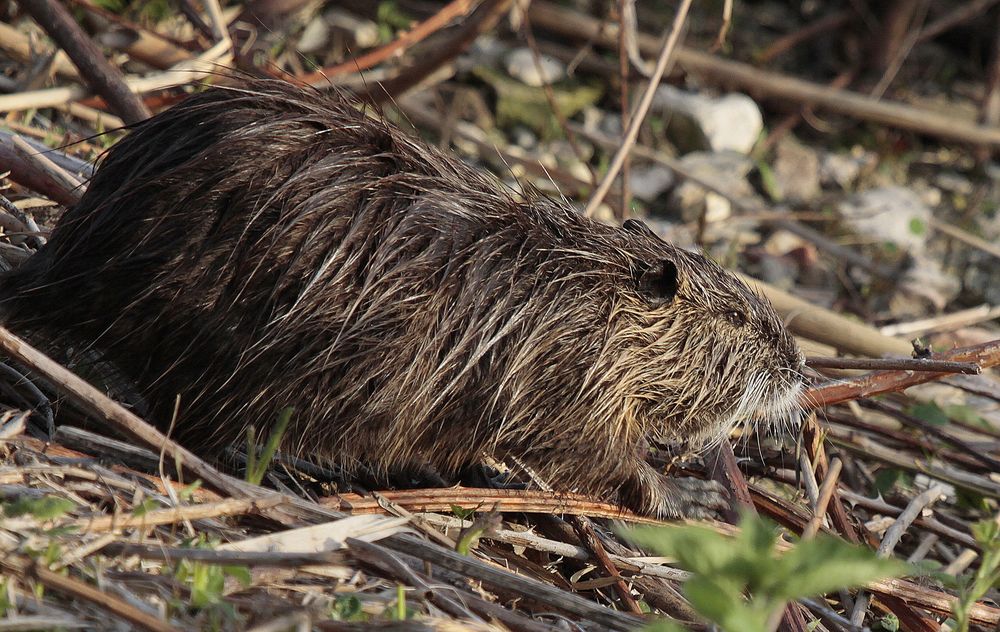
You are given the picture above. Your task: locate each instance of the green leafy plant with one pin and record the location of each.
(485, 525)
(257, 465)
(987, 534)
(929, 412)
(461, 513)
(206, 583)
(347, 608)
(401, 612)
(187, 494)
(769, 181)
(887, 478)
(147, 505)
(52, 554)
(44, 508)
(887, 623)
(725, 569)
(965, 414)
(46, 557)
(6, 599)
(390, 18)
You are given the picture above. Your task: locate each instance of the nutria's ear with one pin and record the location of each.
(658, 283)
(636, 226)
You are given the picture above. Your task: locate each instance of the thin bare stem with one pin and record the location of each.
(895, 364)
(640, 113)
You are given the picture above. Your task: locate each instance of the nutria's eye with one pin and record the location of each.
(659, 282)
(736, 319)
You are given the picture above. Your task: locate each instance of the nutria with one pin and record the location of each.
(253, 249)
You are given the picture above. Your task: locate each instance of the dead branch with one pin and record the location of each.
(104, 78)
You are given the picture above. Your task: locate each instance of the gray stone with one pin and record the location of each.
(780, 272)
(843, 169)
(732, 122)
(953, 183)
(678, 234)
(981, 276)
(523, 137)
(926, 278)
(487, 50)
(726, 171)
(649, 182)
(521, 66)
(894, 214)
(566, 154)
(781, 242)
(796, 171)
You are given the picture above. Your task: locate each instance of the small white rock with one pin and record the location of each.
(603, 213)
(931, 196)
(732, 122)
(579, 171)
(521, 65)
(593, 117)
(717, 208)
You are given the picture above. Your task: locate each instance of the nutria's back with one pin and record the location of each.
(254, 249)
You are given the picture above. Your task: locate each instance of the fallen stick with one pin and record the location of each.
(96, 403)
(101, 75)
(895, 364)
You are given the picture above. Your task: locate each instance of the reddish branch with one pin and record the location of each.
(421, 31)
(985, 355)
(483, 20)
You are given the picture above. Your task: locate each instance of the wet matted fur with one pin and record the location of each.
(252, 249)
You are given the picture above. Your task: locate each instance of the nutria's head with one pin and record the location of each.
(713, 352)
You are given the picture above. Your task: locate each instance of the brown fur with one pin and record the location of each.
(254, 249)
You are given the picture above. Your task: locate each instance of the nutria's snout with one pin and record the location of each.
(267, 247)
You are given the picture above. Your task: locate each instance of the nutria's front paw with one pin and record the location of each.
(653, 494)
(690, 498)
